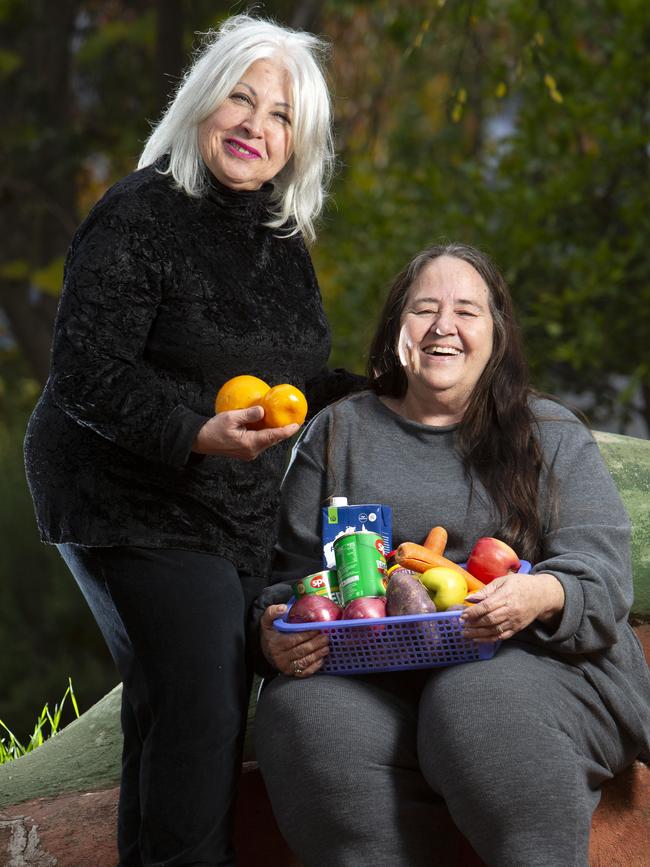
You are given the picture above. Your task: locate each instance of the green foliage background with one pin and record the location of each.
(521, 126)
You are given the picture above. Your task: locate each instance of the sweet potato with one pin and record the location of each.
(436, 541)
(419, 559)
(405, 595)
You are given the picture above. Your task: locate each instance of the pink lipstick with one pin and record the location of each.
(243, 151)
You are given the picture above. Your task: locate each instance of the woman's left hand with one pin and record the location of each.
(509, 604)
(298, 655)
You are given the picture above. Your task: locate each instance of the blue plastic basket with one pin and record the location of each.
(396, 643)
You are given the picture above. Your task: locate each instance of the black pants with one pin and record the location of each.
(174, 623)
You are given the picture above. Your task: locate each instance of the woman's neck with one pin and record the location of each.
(431, 411)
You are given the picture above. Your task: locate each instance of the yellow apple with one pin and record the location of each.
(445, 586)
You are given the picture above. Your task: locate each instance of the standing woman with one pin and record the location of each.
(189, 271)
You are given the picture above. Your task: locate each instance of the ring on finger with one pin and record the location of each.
(296, 667)
(499, 629)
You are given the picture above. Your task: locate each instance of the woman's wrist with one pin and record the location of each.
(552, 598)
(199, 444)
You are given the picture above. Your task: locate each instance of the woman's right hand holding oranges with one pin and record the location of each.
(250, 417)
(227, 434)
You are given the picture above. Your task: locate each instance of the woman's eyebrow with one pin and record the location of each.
(254, 92)
(467, 302)
(426, 301)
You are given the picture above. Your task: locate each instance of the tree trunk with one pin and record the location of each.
(169, 48)
(37, 187)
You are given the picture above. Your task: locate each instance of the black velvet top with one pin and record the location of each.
(165, 298)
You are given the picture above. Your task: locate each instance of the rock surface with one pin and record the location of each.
(84, 756)
(72, 830)
(628, 460)
(78, 829)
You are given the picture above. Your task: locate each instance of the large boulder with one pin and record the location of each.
(84, 756)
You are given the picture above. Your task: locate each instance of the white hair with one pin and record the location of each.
(300, 187)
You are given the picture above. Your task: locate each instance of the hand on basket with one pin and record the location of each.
(508, 604)
(297, 655)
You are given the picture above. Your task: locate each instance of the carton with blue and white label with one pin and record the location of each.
(339, 519)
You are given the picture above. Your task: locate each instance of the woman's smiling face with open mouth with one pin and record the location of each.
(447, 331)
(248, 139)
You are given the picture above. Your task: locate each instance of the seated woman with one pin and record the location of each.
(517, 746)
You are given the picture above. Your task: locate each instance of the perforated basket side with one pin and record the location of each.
(396, 646)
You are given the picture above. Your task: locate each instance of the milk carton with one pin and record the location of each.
(340, 518)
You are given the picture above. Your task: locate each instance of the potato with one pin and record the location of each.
(405, 595)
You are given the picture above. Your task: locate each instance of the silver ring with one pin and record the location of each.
(296, 667)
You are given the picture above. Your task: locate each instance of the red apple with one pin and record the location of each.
(313, 609)
(491, 558)
(365, 607)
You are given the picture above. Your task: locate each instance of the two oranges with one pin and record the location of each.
(283, 404)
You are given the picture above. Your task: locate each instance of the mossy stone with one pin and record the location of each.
(628, 460)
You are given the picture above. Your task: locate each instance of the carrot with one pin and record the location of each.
(436, 541)
(419, 559)
(473, 583)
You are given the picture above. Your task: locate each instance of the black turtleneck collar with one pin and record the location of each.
(246, 204)
(243, 204)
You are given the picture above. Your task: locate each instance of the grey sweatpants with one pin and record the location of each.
(516, 746)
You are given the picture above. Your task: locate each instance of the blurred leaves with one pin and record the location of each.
(523, 128)
(49, 279)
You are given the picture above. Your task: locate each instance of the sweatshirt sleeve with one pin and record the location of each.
(586, 544)
(99, 373)
(298, 551)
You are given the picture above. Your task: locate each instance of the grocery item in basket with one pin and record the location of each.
(419, 559)
(361, 565)
(323, 583)
(445, 586)
(490, 558)
(406, 595)
(313, 609)
(436, 540)
(339, 518)
(365, 607)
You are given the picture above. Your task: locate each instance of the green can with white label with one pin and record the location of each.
(360, 565)
(324, 583)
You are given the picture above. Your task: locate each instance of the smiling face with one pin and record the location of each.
(446, 337)
(247, 140)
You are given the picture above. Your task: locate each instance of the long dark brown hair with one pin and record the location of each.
(495, 438)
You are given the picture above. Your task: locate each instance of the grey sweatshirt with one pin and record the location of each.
(360, 449)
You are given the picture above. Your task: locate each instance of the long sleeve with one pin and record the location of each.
(298, 551)
(586, 545)
(100, 375)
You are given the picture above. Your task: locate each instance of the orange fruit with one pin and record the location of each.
(240, 392)
(284, 404)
